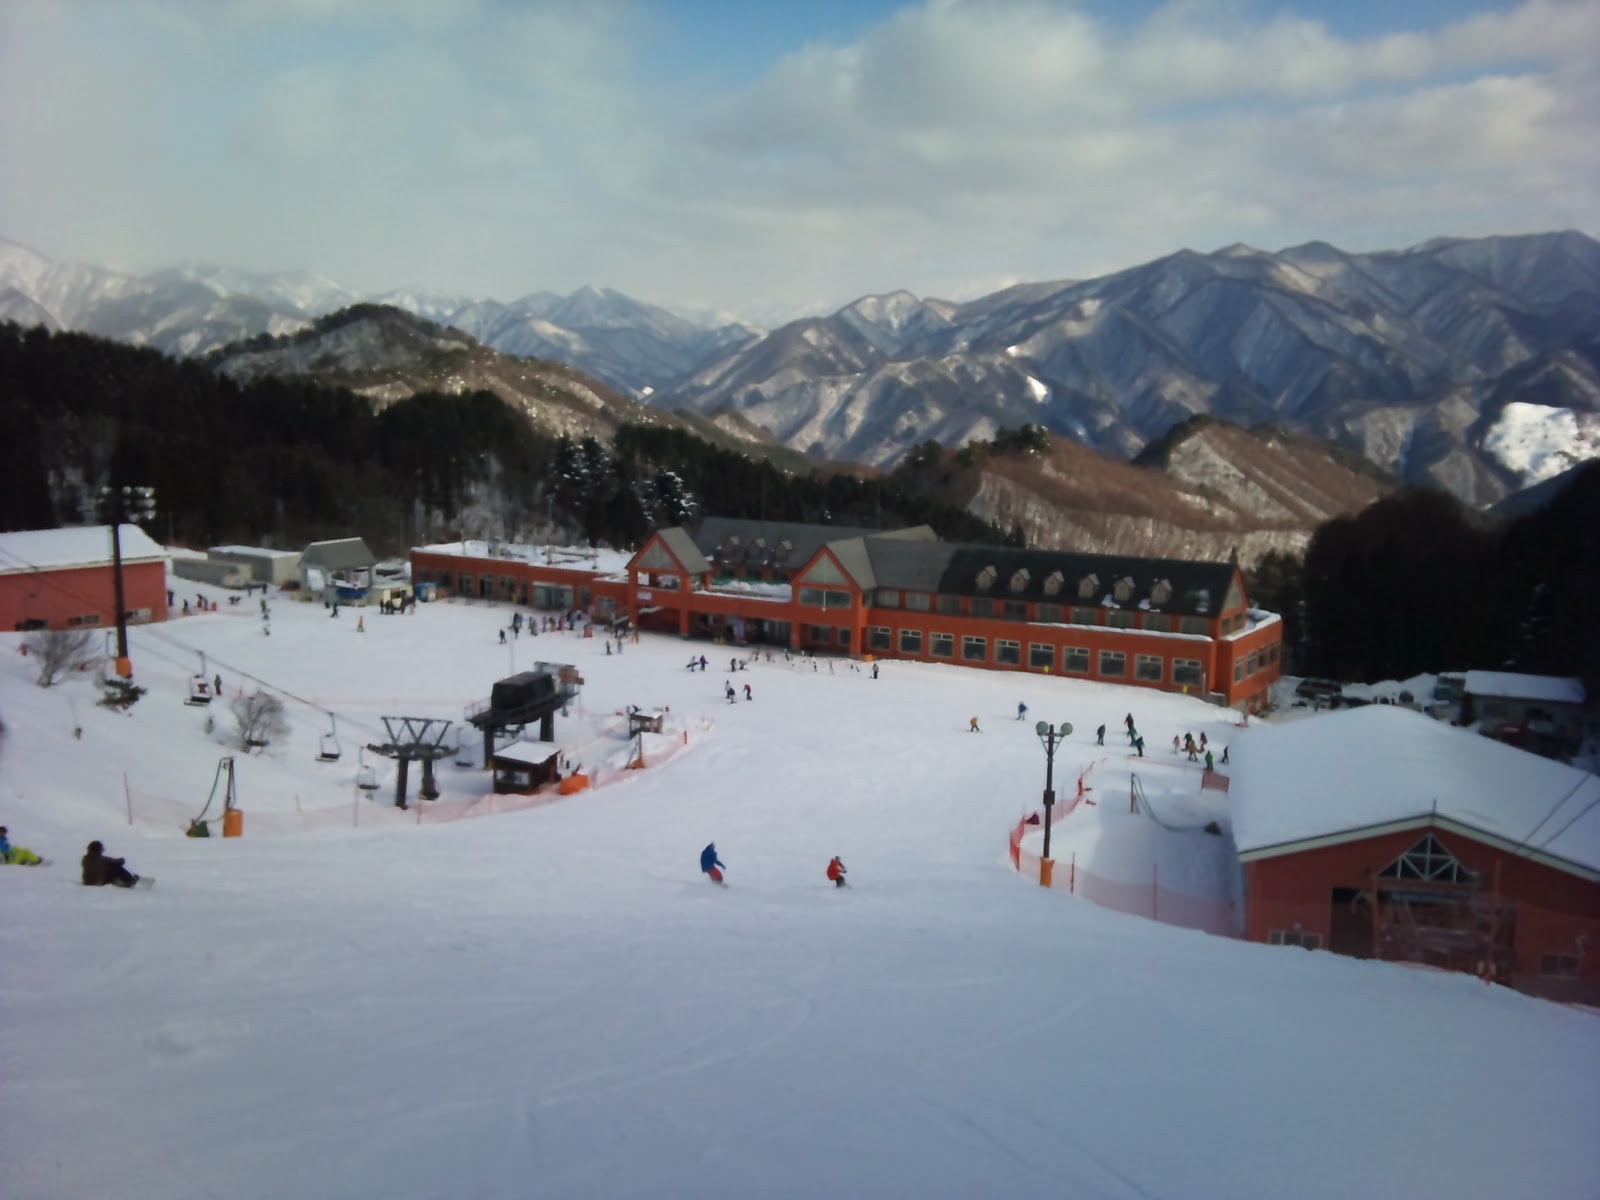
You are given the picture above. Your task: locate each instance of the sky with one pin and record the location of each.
(346, 1003)
(767, 160)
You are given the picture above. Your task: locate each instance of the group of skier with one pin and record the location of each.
(712, 867)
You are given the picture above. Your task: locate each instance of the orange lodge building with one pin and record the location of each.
(66, 579)
(903, 594)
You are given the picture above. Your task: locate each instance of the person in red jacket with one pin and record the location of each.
(836, 871)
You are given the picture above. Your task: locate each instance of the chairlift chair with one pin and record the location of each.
(199, 691)
(366, 777)
(328, 749)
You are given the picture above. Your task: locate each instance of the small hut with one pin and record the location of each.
(522, 768)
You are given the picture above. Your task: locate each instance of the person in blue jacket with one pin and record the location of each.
(710, 863)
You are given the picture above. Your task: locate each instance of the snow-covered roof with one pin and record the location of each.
(1551, 688)
(603, 562)
(532, 753)
(1340, 776)
(80, 546)
(258, 551)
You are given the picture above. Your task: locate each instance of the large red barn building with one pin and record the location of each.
(1381, 833)
(63, 578)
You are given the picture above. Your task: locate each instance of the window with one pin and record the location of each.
(1559, 966)
(844, 637)
(911, 641)
(1158, 622)
(986, 579)
(1119, 618)
(1194, 625)
(812, 597)
(950, 605)
(819, 634)
(1088, 586)
(1147, 667)
(1186, 670)
(1053, 583)
(1294, 937)
(1122, 589)
(837, 599)
(942, 645)
(1113, 663)
(464, 584)
(1041, 656)
(1161, 592)
(1238, 669)
(978, 606)
(80, 622)
(878, 637)
(974, 649)
(1272, 653)
(888, 598)
(917, 601)
(1084, 616)
(1019, 581)
(1427, 860)
(1008, 653)
(1048, 614)
(1013, 610)
(1250, 664)
(1075, 659)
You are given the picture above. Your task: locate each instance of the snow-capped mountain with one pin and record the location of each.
(1410, 356)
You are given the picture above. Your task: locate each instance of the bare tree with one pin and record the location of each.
(260, 717)
(57, 650)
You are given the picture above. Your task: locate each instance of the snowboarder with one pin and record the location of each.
(1224, 756)
(1100, 736)
(502, 637)
(1128, 721)
(711, 865)
(836, 871)
(1138, 744)
(747, 694)
(16, 856)
(702, 664)
(99, 869)
(732, 696)
(972, 726)
(1022, 710)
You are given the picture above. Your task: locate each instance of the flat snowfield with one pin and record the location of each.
(555, 1003)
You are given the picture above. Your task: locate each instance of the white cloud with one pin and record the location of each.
(500, 148)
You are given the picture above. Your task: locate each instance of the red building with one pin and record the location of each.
(1381, 833)
(62, 578)
(903, 594)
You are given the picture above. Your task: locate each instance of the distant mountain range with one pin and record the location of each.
(1473, 365)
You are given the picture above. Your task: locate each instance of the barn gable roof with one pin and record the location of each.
(77, 546)
(799, 542)
(340, 554)
(1353, 774)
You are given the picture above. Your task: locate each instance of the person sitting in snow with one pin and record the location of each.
(836, 871)
(99, 869)
(16, 856)
(710, 864)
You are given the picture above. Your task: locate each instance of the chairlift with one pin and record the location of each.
(366, 777)
(199, 692)
(328, 748)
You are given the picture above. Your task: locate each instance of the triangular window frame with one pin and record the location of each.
(1430, 861)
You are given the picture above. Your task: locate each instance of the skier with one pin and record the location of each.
(361, 627)
(1022, 710)
(1175, 743)
(1209, 764)
(836, 871)
(1224, 756)
(217, 686)
(1138, 744)
(732, 696)
(874, 670)
(1128, 721)
(1100, 736)
(711, 865)
(972, 726)
(17, 856)
(747, 694)
(1189, 747)
(702, 664)
(99, 870)
(1202, 741)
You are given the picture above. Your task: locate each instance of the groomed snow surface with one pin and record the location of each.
(554, 1003)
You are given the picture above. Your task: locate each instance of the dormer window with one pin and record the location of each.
(1088, 586)
(1053, 583)
(1122, 590)
(986, 578)
(758, 549)
(729, 550)
(785, 548)
(1019, 581)
(1161, 592)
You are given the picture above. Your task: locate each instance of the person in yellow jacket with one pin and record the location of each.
(16, 856)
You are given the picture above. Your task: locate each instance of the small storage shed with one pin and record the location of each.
(1380, 833)
(260, 565)
(1542, 713)
(345, 562)
(524, 767)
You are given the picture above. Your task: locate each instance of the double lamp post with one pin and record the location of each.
(1050, 736)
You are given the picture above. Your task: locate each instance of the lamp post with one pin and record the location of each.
(136, 504)
(1050, 736)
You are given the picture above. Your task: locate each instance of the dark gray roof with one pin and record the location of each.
(684, 550)
(337, 555)
(763, 542)
(1197, 588)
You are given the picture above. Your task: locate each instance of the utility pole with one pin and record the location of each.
(135, 504)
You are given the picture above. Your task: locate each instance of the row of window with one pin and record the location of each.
(1043, 613)
(1256, 660)
(1294, 937)
(1075, 660)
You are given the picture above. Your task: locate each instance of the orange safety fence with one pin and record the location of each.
(1144, 899)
